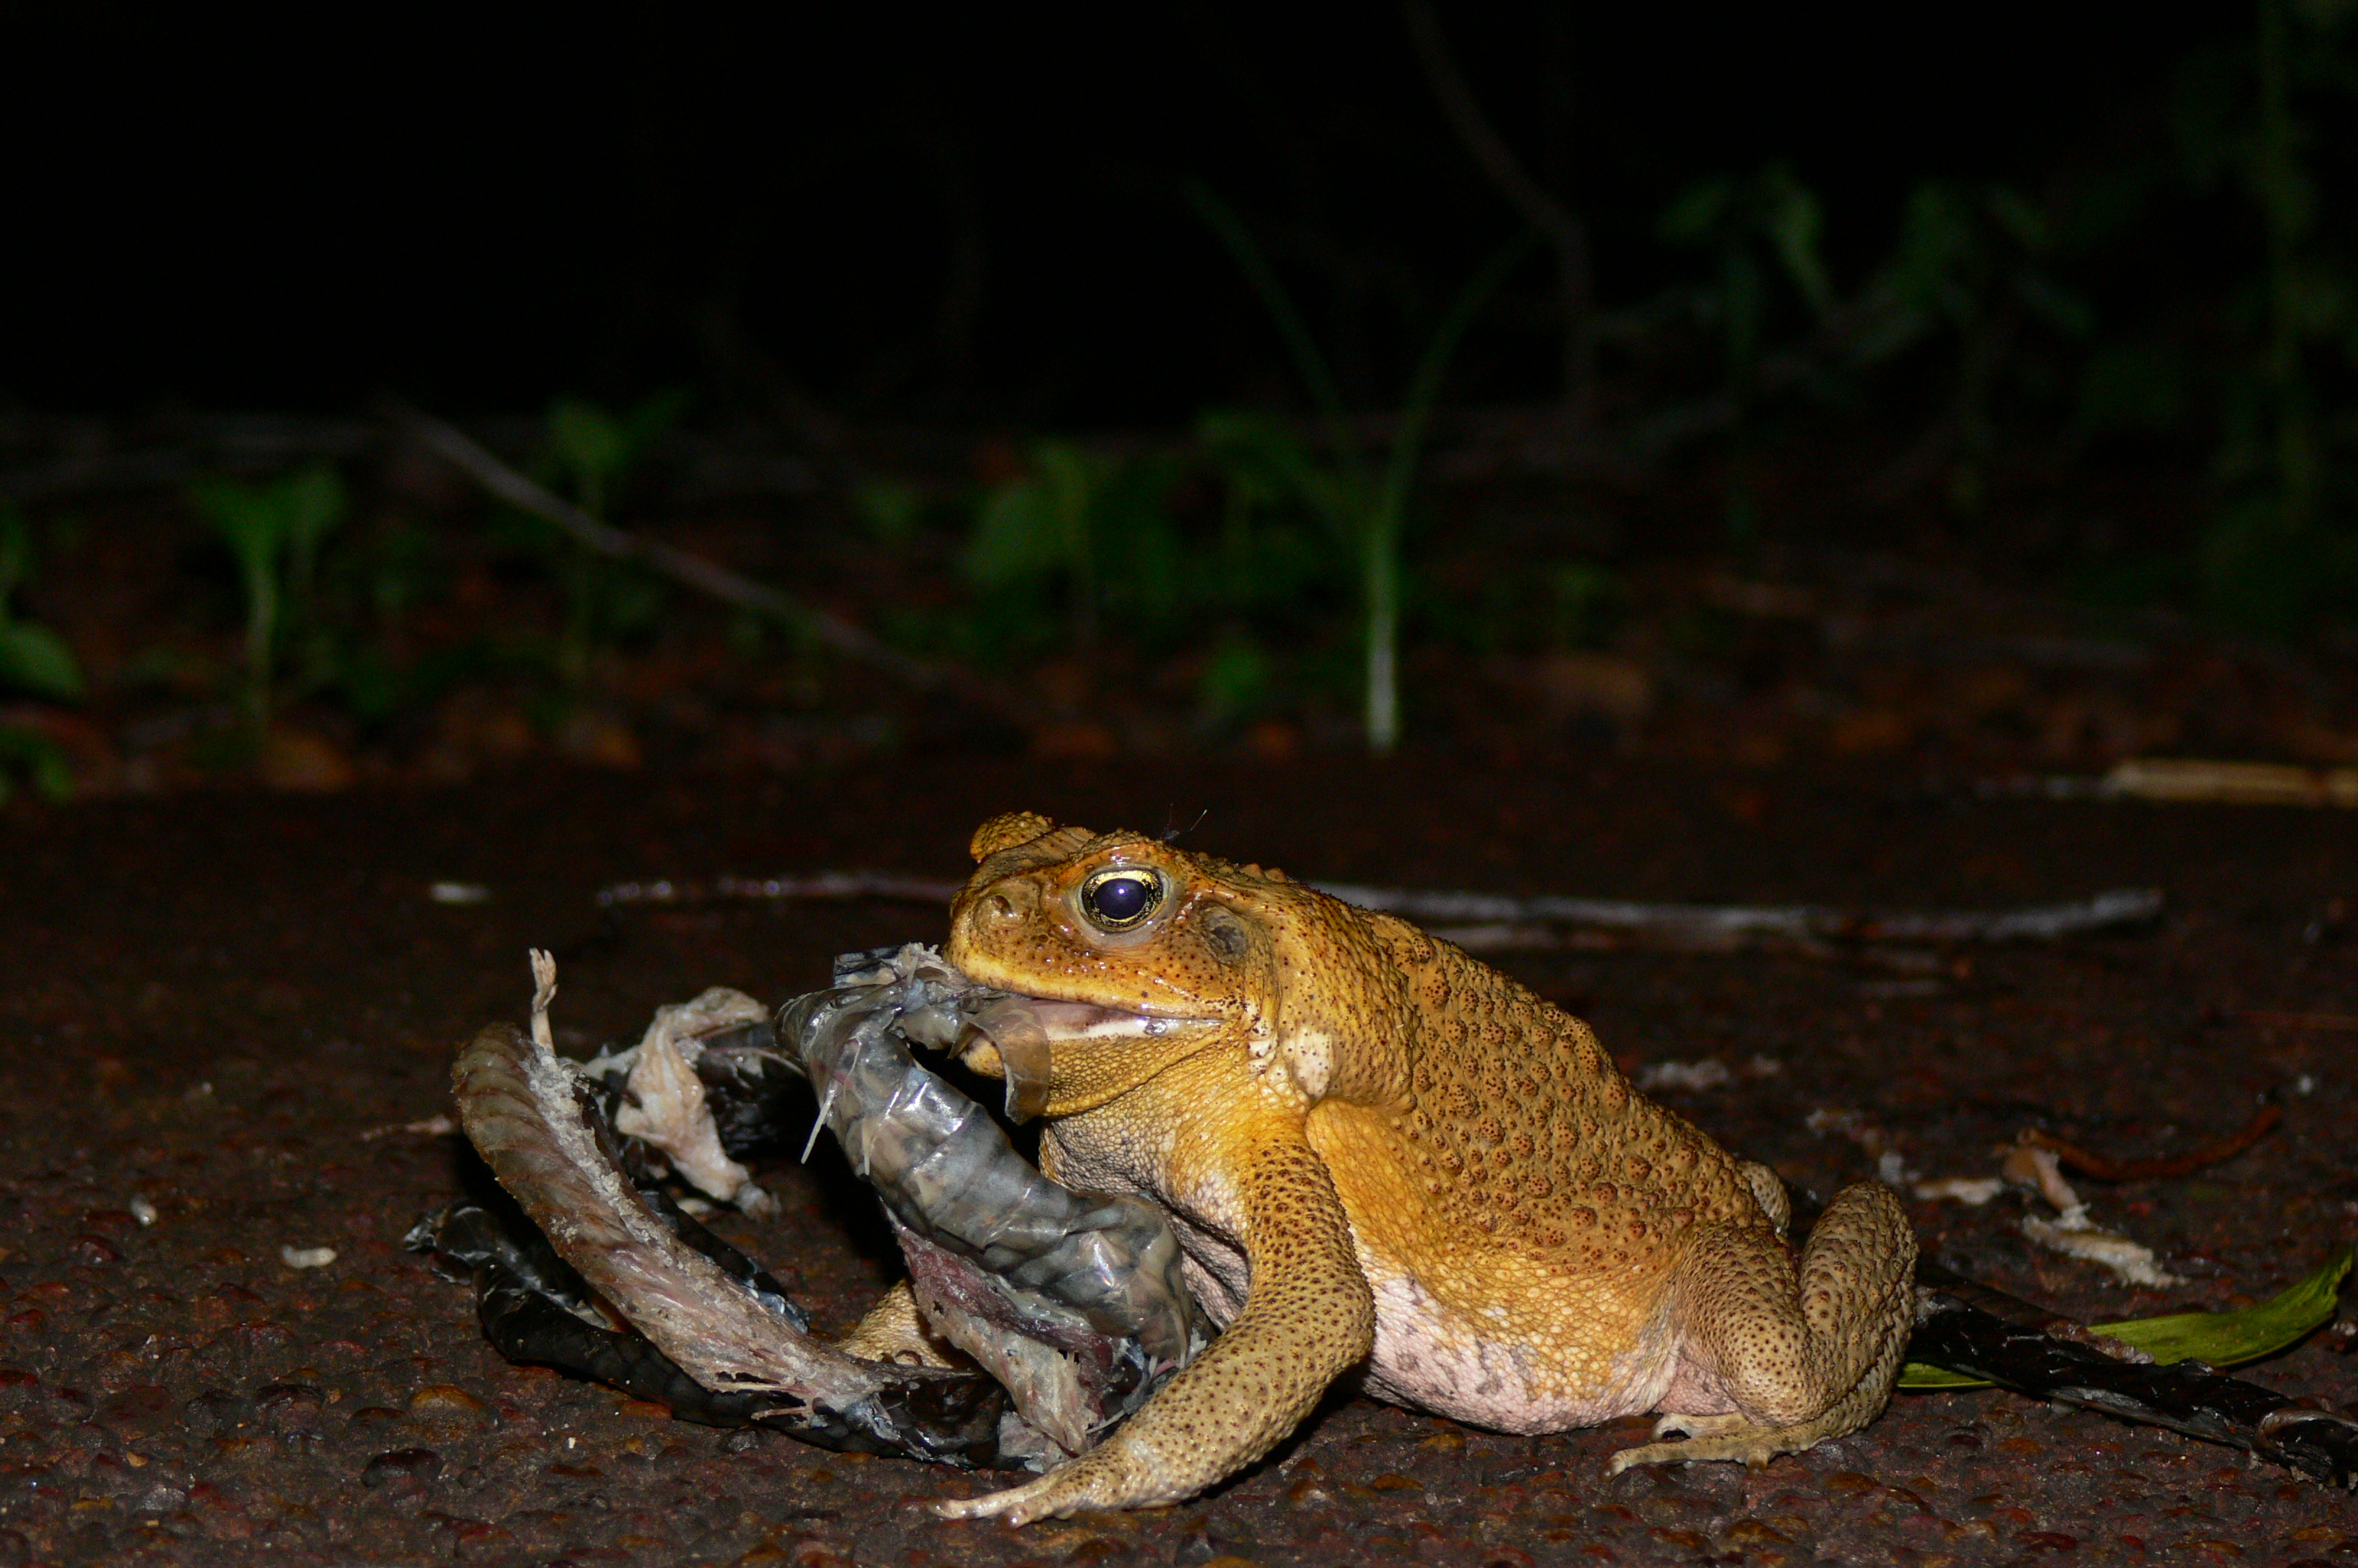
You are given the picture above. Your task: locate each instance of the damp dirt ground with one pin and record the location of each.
(218, 1012)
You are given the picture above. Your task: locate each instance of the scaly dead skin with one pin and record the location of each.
(1379, 1153)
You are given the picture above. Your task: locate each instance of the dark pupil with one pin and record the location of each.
(1119, 899)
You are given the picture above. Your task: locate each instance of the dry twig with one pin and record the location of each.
(816, 885)
(1705, 927)
(1497, 922)
(2186, 1164)
(706, 576)
(2196, 781)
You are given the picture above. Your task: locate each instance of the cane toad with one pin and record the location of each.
(1383, 1156)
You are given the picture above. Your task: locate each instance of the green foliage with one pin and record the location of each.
(1041, 524)
(1365, 508)
(32, 657)
(592, 450)
(2221, 1338)
(1736, 218)
(1234, 683)
(891, 508)
(35, 660)
(274, 532)
(1763, 228)
(1099, 527)
(2283, 549)
(2139, 388)
(40, 759)
(1971, 271)
(1970, 260)
(591, 453)
(1589, 602)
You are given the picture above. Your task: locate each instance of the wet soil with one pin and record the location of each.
(219, 1010)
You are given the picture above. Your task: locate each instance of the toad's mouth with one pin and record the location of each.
(1015, 1037)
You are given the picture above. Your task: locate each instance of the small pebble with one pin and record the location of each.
(401, 1464)
(446, 1397)
(307, 1256)
(458, 893)
(142, 1210)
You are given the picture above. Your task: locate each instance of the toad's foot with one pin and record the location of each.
(1798, 1359)
(1739, 1438)
(1113, 1475)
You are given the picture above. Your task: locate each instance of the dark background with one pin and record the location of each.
(929, 213)
(1967, 384)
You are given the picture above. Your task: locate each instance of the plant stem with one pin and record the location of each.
(1379, 568)
(1324, 391)
(261, 626)
(1387, 515)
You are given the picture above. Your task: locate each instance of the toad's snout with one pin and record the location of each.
(988, 918)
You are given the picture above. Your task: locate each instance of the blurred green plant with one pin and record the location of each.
(41, 759)
(1588, 602)
(892, 508)
(32, 657)
(591, 453)
(1364, 509)
(2284, 547)
(274, 532)
(1100, 527)
(1234, 683)
(34, 660)
(1763, 227)
(1972, 267)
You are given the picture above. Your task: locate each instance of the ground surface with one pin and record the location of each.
(212, 1004)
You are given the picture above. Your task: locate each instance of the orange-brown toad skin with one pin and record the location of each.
(1379, 1153)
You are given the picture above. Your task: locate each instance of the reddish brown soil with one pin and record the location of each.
(216, 1004)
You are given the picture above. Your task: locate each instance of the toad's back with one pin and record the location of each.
(1519, 1210)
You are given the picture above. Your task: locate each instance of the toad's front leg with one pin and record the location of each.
(1308, 1315)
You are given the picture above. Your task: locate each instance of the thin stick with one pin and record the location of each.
(696, 571)
(816, 885)
(2195, 781)
(2186, 1164)
(1712, 928)
(1494, 922)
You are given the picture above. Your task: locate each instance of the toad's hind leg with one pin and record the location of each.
(1799, 1360)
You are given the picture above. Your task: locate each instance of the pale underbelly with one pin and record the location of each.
(1490, 1371)
(1478, 1366)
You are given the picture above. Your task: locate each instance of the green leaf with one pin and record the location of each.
(1696, 214)
(2021, 221)
(590, 444)
(1234, 680)
(33, 659)
(1018, 534)
(1257, 450)
(1315, 372)
(891, 507)
(2221, 1338)
(42, 756)
(313, 499)
(251, 519)
(1793, 223)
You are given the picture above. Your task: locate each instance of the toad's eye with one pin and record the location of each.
(1117, 899)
